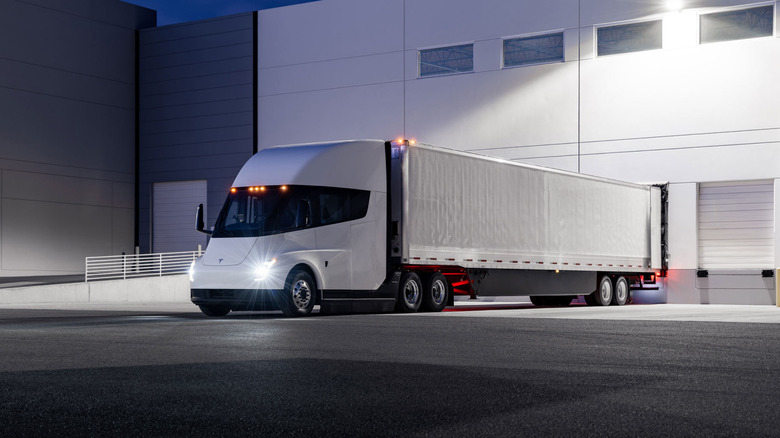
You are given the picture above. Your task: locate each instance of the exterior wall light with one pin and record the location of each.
(674, 5)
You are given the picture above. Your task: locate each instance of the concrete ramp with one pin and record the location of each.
(172, 288)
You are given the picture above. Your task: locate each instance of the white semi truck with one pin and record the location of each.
(372, 226)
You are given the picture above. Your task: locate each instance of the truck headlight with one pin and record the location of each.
(263, 271)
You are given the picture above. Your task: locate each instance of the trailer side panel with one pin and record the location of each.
(478, 212)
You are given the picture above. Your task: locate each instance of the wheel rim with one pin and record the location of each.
(438, 292)
(411, 293)
(301, 294)
(606, 291)
(621, 292)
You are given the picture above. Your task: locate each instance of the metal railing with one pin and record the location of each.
(139, 265)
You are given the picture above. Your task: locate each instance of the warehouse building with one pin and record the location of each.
(644, 91)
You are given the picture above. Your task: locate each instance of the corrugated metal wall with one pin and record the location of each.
(197, 108)
(67, 138)
(173, 215)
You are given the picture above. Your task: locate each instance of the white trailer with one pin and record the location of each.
(375, 226)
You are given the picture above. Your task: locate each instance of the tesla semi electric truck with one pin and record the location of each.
(374, 226)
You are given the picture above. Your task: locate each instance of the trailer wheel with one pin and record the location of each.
(214, 309)
(434, 297)
(603, 295)
(297, 298)
(620, 295)
(410, 293)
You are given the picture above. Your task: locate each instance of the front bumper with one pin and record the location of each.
(237, 299)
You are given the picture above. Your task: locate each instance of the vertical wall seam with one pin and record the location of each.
(137, 194)
(255, 77)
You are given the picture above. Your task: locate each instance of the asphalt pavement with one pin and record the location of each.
(508, 370)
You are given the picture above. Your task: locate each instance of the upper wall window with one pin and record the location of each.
(533, 50)
(632, 37)
(446, 60)
(737, 25)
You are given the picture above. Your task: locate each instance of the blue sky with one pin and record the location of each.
(178, 11)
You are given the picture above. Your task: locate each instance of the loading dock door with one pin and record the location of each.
(173, 215)
(736, 225)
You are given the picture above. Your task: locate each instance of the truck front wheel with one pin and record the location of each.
(297, 298)
(435, 294)
(409, 293)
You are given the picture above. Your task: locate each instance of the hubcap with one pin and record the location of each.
(411, 292)
(301, 294)
(606, 291)
(621, 291)
(439, 292)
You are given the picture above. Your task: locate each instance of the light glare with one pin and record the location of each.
(674, 5)
(263, 271)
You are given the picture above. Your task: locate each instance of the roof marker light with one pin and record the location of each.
(233, 190)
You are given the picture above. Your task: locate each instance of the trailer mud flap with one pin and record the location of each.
(508, 282)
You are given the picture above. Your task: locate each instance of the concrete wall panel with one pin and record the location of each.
(328, 30)
(374, 111)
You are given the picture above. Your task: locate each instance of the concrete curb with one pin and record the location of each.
(173, 288)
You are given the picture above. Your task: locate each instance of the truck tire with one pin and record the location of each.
(435, 294)
(621, 292)
(538, 300)
(214, 309)
(298, 296)
(410, 293)
(603, 294)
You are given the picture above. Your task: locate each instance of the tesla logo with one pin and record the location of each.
(220, 260)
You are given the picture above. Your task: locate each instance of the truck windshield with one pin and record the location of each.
(265, 210)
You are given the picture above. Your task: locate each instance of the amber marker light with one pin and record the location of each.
(233, 190)
(283, 188)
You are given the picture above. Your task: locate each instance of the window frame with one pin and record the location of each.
(596, 38)
(448, 46)
(738, 9)
(560, 32)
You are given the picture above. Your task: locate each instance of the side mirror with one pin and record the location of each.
(199, 225)
(303, 218)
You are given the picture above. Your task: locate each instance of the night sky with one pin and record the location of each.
(178, 11)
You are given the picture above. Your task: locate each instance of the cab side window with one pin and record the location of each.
(341, 205)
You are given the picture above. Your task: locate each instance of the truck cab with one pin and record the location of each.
(301, 226)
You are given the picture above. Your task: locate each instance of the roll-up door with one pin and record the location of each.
(736, 225)
(173, 215)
